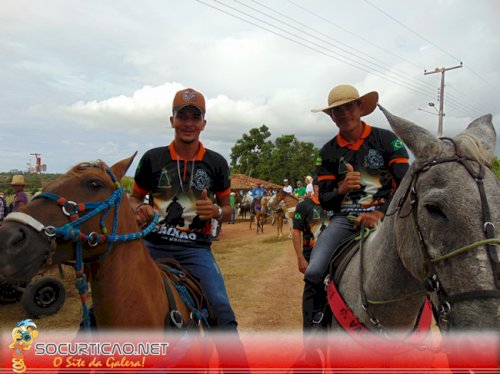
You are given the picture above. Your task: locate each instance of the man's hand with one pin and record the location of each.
(205, 208)
(369, 219)
(351, 182)
(302, 262)
(144, 214)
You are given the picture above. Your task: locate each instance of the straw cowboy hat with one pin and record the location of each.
(17, 180)
(344, 94)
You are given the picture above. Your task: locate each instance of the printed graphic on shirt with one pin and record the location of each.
(372, 160)
(164, 181)
(175, 186)
(397, 144)
(201, 180)
(311, 219)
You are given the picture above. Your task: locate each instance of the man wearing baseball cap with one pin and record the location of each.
(183, 180)
(358, 171)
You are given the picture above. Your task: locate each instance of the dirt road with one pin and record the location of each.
(261, 276)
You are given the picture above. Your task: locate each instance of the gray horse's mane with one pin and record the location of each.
(472, 147)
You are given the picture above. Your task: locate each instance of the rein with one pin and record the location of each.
(442, 306)
(71, 231)
(432, 283)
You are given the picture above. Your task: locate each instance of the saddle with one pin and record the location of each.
(341, 257)
(189, 289)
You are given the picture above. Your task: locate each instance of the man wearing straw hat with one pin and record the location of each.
(358, 170)
(20, 198)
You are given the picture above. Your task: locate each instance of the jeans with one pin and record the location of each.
(314, 297)
(200, 262)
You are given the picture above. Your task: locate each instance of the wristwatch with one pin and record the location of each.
(221, 213)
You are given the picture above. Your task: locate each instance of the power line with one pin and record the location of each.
(370, 42)
(337, 56)
(320, 48)
(378, 63)
(437, 47)
(409, 29)
(453, 101)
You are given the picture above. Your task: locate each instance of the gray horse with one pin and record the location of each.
(438, 238)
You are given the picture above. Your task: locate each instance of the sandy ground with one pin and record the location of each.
(261, 276)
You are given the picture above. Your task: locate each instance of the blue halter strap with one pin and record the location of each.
(71, 231)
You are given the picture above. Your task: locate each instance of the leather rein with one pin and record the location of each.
(71, 230)
(443, 305)
(440, 299)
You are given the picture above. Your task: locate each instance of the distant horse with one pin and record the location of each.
(245, 202)
(259, 213)
(290, 202)
(129, 290)
(278, 211)
(437, 239)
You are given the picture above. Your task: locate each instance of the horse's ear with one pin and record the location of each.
(482, 128)
(415, 137)
(120, 168)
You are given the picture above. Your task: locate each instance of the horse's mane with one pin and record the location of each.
(471, 146)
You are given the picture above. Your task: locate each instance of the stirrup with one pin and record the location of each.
(176, 318)
(318, 318)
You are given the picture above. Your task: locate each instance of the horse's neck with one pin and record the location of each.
(290, 202)
(127, 289)
(384, 278)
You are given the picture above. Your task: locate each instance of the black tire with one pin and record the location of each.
(11, 291)
(44, 297)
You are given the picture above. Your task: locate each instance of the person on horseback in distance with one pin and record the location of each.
(183, 178)
(258, 192)
(358, 171)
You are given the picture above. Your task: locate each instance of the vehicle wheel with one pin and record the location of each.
(10, 291)
(44, 297)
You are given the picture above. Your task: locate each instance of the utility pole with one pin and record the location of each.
(441, 94)
(38, 158)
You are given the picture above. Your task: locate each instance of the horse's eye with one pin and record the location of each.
(434, 210)
(95, 185)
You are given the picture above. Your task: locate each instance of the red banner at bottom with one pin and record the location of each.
(136, 352)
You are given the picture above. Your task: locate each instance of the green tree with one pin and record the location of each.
(127, 183)
(258, 157)
(291, 159)
(495, 166)
(249, 151)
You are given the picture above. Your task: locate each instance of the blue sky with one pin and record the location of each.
(87, 80)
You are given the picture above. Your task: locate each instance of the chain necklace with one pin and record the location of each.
(181, 182)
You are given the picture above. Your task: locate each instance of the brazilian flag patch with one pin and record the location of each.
(297, 216)
(319, 161)
(397, 144)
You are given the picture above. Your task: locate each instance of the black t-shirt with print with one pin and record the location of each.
(381, 158)
(311, 219)
(175, 184)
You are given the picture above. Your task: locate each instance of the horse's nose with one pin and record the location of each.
(21, 251)
(14, 237)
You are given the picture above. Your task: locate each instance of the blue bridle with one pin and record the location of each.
(71, 230)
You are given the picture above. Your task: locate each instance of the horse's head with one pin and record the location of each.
(28, 238)
(445, 213)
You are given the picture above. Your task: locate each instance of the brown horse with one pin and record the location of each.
(259, 212)
(129, 290)
(289, 201)
(278, 211)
